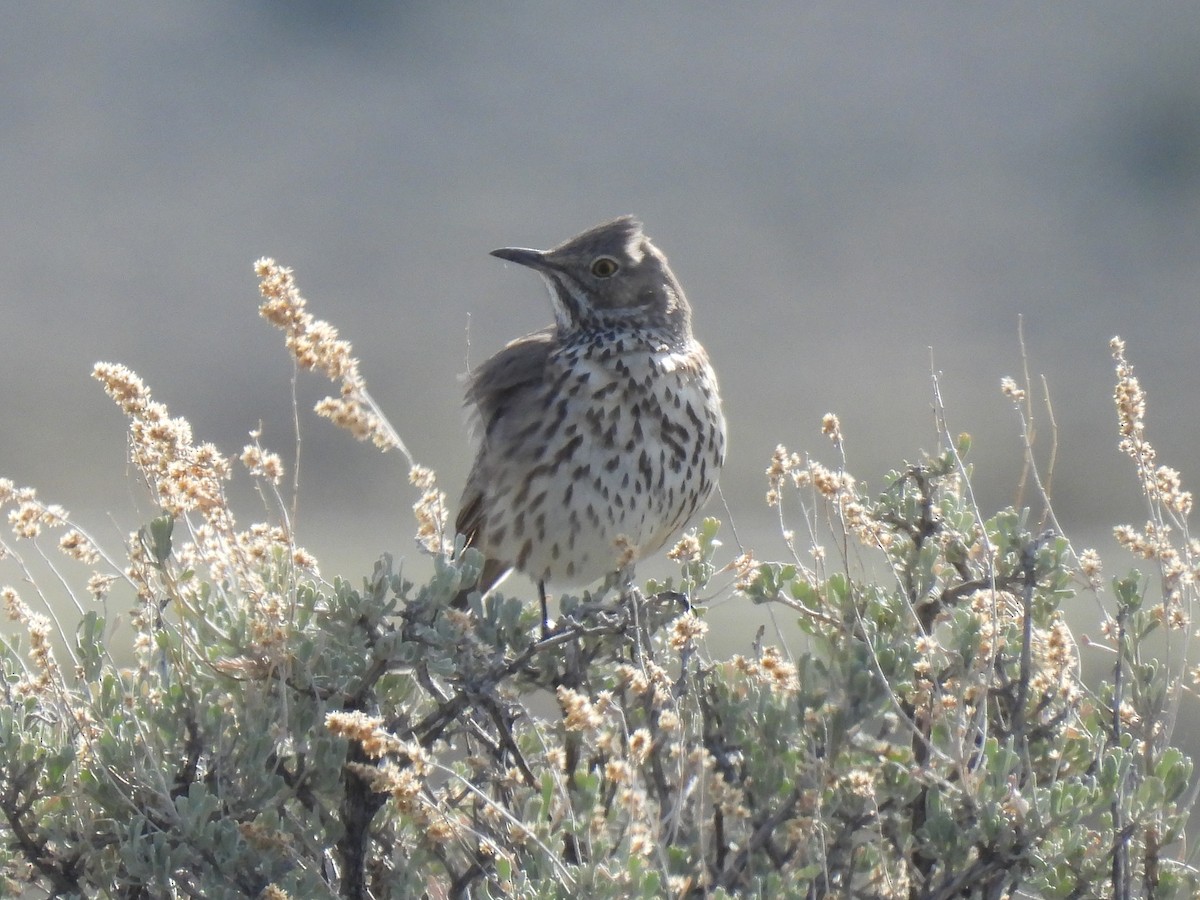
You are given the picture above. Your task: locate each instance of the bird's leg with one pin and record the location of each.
(545, 609)
(625, 579)
(635, 603)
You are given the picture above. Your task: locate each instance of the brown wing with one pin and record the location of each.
(494, 389)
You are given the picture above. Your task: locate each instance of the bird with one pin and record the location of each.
(599, 436)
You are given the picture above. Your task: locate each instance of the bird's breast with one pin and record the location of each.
(621, 449)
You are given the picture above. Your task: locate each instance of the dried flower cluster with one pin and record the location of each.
(1009, 388)
(1054, 678)
(431, 510)
(45, 671)
(261, 463)
(315, 345)
(28, 517)
(747, 568)
(687, 631)
(831, 427)
(770, 670)
(402, 771)
(837, 488)
(1161, 484)
(1091, 567)
(804, 473)
(186, 477)
(686, 549)
(1170, 505)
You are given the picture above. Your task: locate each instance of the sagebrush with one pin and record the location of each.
(925, 732)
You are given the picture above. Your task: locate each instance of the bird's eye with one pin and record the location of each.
(604, 267)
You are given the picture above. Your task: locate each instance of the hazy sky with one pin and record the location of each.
(850, 193)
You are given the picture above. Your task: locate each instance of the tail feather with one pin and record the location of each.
(493, 570)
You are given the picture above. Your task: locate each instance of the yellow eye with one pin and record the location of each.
(604, 267)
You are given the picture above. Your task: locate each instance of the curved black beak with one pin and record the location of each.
(533, 258)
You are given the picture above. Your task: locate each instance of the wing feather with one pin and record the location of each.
(503, 384)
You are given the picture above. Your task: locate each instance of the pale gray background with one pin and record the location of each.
(839, 186)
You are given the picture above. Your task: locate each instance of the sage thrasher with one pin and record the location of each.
(600, 435)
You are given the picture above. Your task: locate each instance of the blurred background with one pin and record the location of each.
(853, 195)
